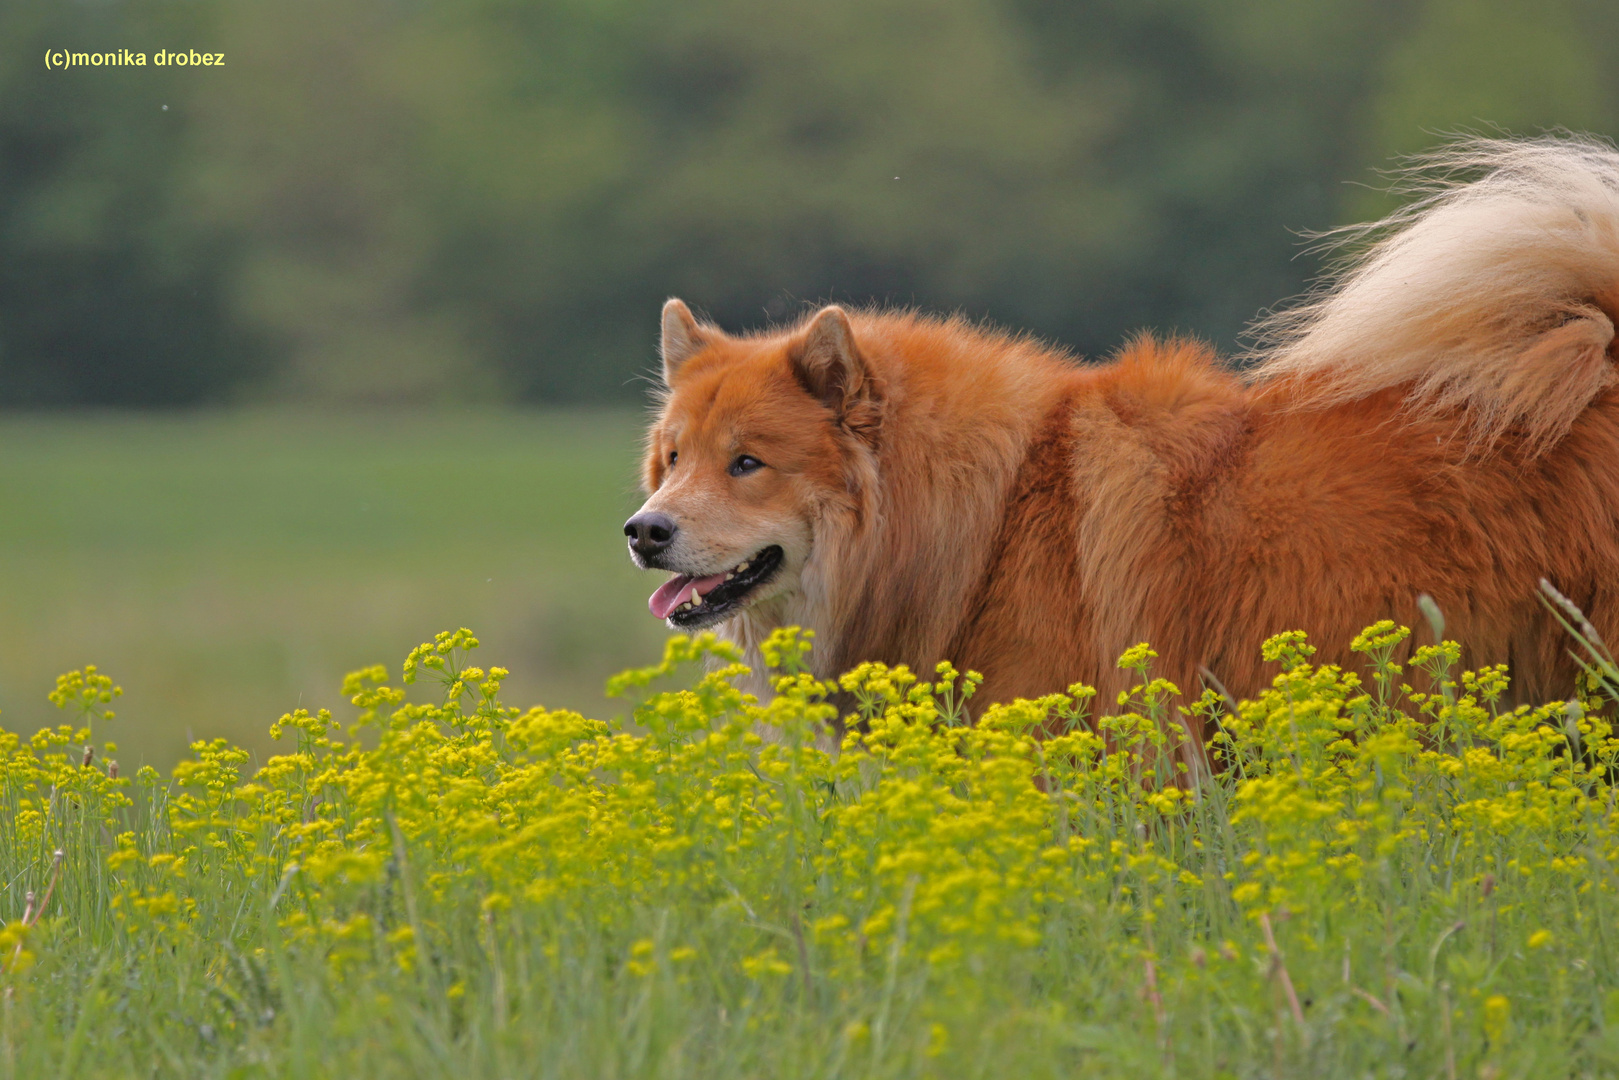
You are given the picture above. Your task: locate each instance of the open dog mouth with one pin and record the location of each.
(690, 601)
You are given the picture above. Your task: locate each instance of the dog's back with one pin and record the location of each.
(1207, 527)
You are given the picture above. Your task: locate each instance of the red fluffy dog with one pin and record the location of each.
(1441, 419)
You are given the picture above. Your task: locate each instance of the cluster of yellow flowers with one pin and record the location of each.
(916, 840)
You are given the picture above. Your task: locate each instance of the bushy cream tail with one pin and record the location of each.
(1495, 290)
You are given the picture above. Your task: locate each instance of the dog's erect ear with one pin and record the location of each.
(682, 338)
(828, 362)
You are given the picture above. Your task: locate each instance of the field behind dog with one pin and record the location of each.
(229, 567)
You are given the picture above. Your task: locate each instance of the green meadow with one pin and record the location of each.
(677, 880)
(1378, 881)
(227, 568)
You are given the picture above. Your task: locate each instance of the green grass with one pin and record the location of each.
(229, 567)
(1378, 883)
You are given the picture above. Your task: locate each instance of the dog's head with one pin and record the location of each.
(754, 446)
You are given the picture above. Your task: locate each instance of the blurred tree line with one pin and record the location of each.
(388, 200)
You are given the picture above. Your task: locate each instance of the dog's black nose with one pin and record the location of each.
(650, 532)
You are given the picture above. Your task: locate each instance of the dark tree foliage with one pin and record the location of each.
(491, 198)
(109, 293)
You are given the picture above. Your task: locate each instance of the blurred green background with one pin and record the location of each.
(306, 357)
(226, 567)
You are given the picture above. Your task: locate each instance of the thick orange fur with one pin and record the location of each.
(948, 492)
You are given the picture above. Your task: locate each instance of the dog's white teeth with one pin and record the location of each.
(696, 598)
(730, 574)
(741, 567)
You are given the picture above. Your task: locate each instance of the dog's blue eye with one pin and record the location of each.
(745, 464)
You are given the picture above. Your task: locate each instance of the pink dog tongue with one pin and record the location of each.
(677, 590)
